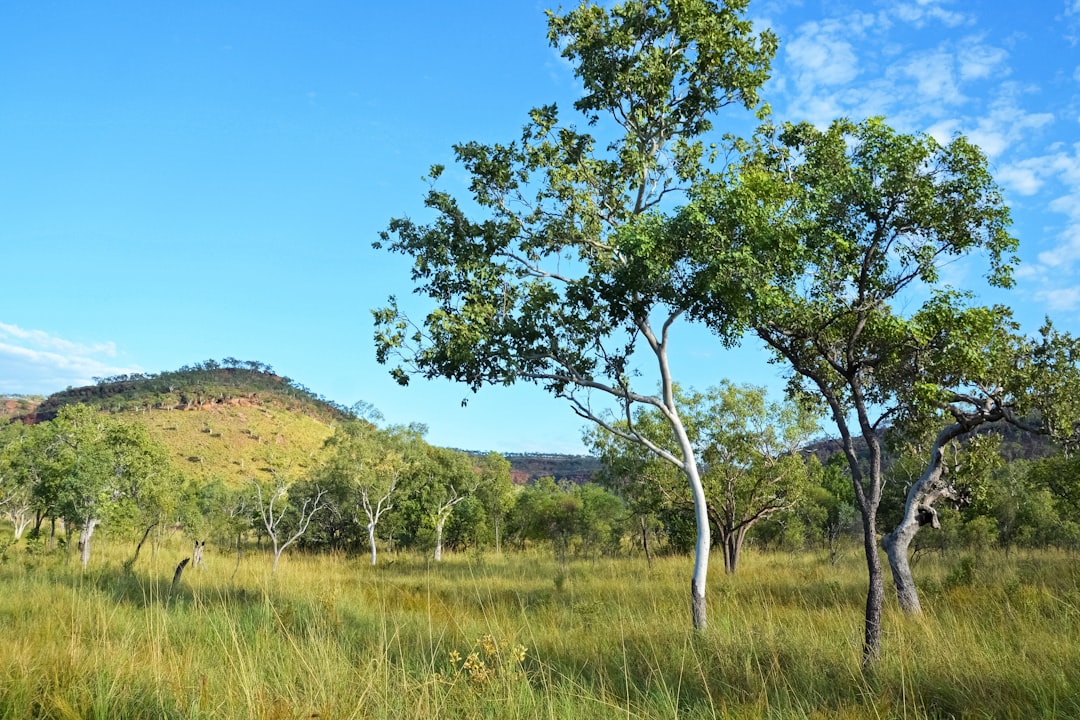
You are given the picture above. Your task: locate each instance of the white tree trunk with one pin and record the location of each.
(371, 540)
(438, 538)
(701, 547)
(20, 520)
(84, 540)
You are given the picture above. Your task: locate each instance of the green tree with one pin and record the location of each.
(969, 368)
(152, 490)
(91, 466)
(649, 487)
(442, 479)
(285, 513)
(20, 472)
(369, 462)
(601, 520)
(495, 492)
(547, 511)
(869, 216)
(567, 272)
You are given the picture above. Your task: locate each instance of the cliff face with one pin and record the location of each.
(525, 468)
(18, 406)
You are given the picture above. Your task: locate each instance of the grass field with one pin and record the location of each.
(486, 636)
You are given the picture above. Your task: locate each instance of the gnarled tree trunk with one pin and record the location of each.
(919, 511)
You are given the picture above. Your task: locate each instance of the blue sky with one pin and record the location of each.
(204, 180)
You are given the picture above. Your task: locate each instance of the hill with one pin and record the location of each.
(199, 386)
(228, 421)
(233, 420)
(525, 468)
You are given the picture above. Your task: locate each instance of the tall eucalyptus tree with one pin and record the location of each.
(560, 266)
(869, 216)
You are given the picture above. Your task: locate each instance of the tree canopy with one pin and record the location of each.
(558, 270)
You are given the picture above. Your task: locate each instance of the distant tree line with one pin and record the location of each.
(378, 489)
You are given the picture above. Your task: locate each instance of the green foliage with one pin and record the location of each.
(568, 266)
(749, 454)
(585, 517)
(205, 384)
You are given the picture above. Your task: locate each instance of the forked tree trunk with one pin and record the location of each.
(20, 521)
(732, 542)
(918, 511)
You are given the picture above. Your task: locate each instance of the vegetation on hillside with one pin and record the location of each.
(205, 384)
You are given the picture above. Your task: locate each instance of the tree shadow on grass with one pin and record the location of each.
(143, 590)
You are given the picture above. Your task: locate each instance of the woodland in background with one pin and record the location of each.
(98, 462)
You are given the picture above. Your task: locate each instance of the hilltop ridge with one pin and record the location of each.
(224, 420)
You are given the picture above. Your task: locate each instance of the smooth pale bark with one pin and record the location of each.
(441, 516)
(918, 510)
(85, 535)
(374, 512)
(701, 547)
(272, 521)
(438, 539)
(20, 520)
(371, 540)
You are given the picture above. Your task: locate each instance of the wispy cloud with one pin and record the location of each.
(923, 12)
(970, 79)
(36, 362)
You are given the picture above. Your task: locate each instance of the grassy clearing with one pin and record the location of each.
(331, 637)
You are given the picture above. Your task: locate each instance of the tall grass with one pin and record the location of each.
(332, 637)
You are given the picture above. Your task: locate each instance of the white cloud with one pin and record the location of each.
(921, 12)
(822, 64)
(982, 61)
(935, 77)
(1059, 171)
(1065, 299)
(1023, 177)
(35, 362)
(44, 341)
(821, 56)
(944, 130)
(1064, 255)
(1006, 125)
